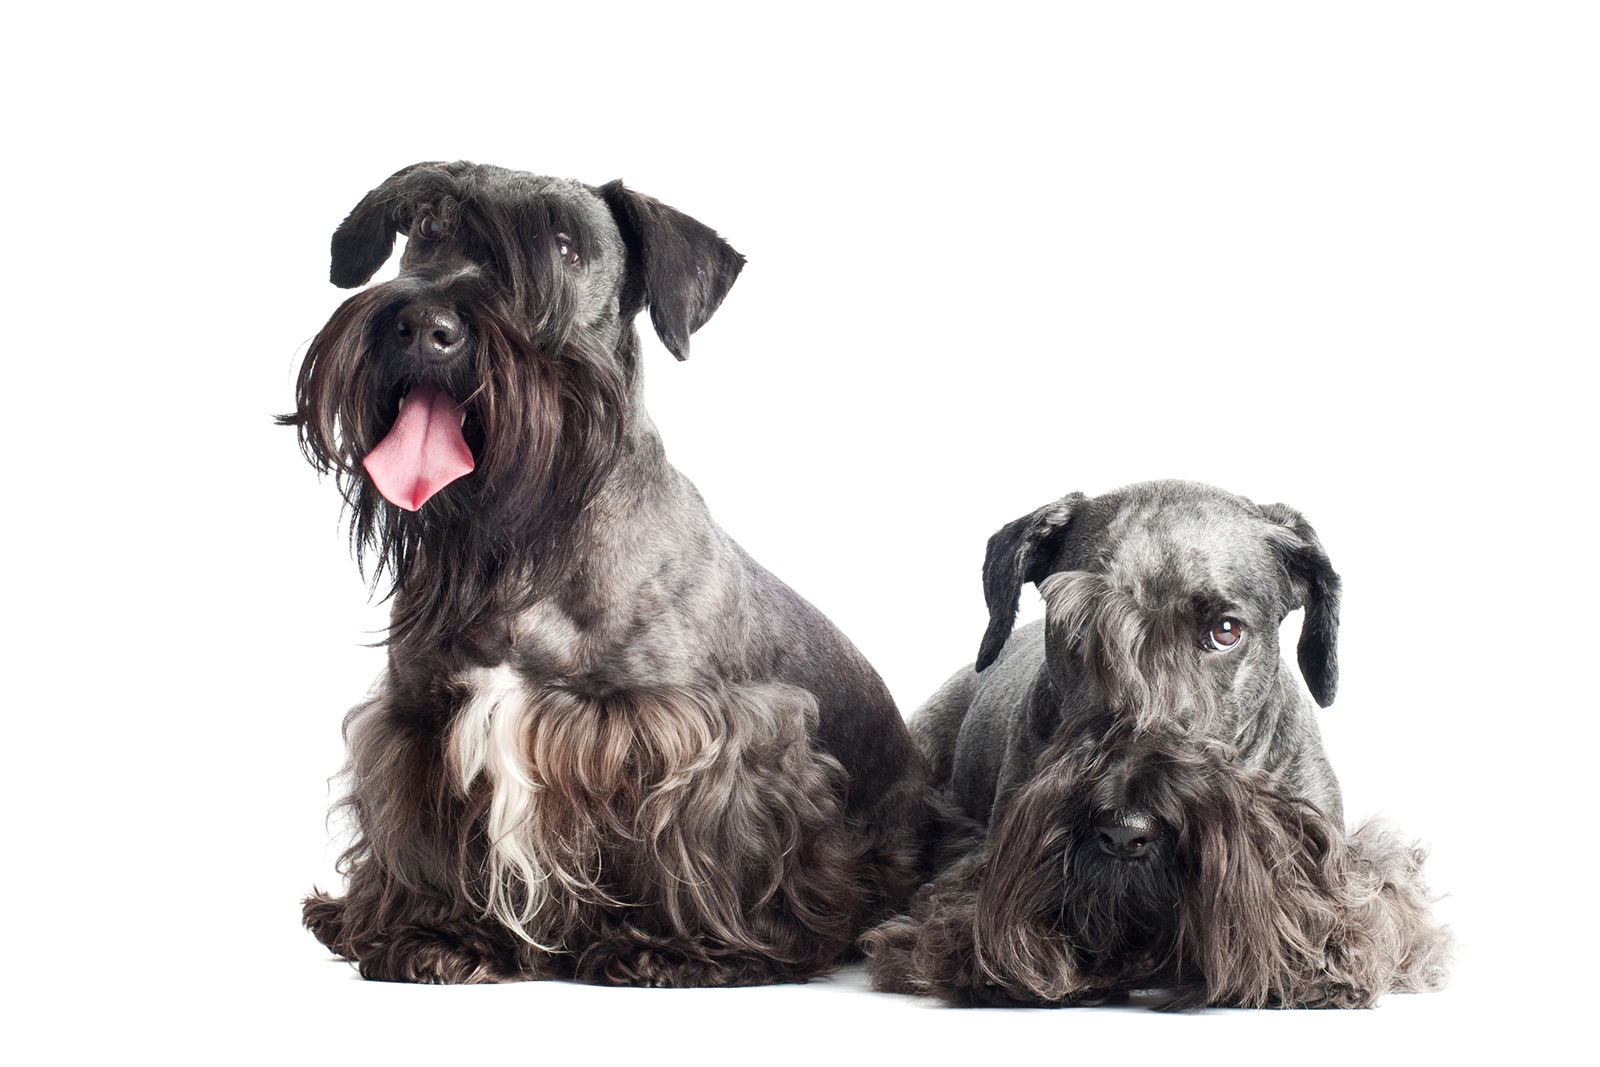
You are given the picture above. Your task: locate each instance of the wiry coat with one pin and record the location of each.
(1129, 805)
(608, 745)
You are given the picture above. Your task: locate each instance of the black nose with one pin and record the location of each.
(430, 334)
(1127, 834)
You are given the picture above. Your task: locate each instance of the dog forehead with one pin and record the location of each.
(1165, 540)
(499, 185)
(517, 203)
(500, 189)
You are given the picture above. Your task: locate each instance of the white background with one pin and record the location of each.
(1343, 257)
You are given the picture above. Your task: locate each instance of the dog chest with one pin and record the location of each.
(583, 789)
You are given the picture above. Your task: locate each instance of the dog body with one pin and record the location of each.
(1134, 789)
(608, 745)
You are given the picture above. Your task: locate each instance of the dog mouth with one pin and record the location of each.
(424, 451)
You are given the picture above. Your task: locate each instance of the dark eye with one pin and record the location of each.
(568, 250)
(431, 228)
(1225, 634)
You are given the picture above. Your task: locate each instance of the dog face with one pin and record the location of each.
(572, 257)
(471, 407)
(1163, 601)
(1163, 818)
(1164, 607)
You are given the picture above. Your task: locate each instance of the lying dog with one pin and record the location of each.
(1134, 790)
(608, 744)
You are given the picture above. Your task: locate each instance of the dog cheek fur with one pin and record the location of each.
(1277, 907)
(987, 930)
(1288, 911)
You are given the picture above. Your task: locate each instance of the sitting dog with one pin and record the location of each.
(608, 745)
(1134, 790)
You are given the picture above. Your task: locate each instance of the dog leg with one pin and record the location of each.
(405, 942)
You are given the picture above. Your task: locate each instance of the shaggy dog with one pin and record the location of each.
(608, 745)
(1134, 791)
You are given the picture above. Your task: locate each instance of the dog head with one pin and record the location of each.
(1162, 852)
(1163, 600)
(470, 407)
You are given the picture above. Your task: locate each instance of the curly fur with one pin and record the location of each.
(612, 824)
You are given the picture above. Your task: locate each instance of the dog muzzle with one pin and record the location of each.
(423, 452)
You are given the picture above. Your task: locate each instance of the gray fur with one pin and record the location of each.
(609, 745)
(1158, 542)
(1133, 793)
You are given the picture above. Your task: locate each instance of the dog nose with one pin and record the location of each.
(1127, 834)
(430, 334)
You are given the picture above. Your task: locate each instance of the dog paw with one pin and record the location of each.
(324, 917)
(429, 957)
(665, 968)
(408, 952)
(659, 969)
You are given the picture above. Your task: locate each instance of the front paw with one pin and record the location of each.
(433, 957)
(324, 917)
(433, 952)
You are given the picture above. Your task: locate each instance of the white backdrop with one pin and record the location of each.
(1343, 257)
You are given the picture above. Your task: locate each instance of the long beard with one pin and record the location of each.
(545, 421)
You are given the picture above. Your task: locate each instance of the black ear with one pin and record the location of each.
(1019, 552)
(1317, 589)
(678, 266)
(365, 238)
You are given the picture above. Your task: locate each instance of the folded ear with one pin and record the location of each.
(1020, 551)
(676, 265)
(1316, 588)
(365, 238)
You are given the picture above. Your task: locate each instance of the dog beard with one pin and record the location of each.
(543, 414)
(1250, 898)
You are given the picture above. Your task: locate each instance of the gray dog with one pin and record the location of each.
(608, 745)
(1134, 789)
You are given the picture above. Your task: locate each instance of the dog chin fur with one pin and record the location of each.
(1266, 904)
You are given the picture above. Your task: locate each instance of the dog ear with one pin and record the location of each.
(1316, 588)
(1019, 552)
(365, 238)
(679, 266)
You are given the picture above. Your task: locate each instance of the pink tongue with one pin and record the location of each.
(423, 453)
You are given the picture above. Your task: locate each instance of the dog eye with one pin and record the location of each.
(1225, 634)
(431, 228)
(569, 253)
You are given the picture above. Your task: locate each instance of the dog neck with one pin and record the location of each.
(1282, 738)
(625, 556)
